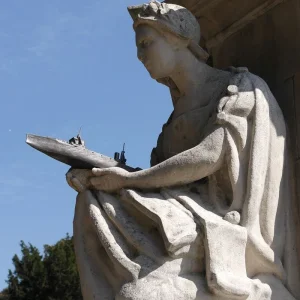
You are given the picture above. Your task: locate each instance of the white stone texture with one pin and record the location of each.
(211, 218)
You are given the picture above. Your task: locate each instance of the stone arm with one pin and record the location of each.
(186, 167)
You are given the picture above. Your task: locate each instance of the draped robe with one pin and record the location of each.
(228, 236)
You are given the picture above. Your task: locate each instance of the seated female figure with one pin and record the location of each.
(207, 220)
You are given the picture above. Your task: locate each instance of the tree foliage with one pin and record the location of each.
(4, 295)
(51, 276)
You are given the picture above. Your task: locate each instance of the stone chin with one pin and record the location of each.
(151, 73)
(154, 75)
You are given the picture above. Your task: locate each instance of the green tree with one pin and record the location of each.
(4, 295)
(51, 276)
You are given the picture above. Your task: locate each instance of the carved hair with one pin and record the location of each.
(171, 18)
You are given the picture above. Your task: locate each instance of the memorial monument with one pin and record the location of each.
(211, 218)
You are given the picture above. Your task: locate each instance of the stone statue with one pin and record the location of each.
(211, 217)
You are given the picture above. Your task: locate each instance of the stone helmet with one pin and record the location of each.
(172, 18)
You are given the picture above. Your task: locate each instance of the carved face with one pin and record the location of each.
(155, 51)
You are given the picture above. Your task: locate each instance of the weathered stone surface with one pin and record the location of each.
(211, 218)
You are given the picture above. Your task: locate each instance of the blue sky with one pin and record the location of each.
(66, 64)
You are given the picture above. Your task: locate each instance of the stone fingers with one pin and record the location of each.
(74, 183)
(104, 183)
(78, 179)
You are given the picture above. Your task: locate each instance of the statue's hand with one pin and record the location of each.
(110, 179)
(79, 179)
(106, 179)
